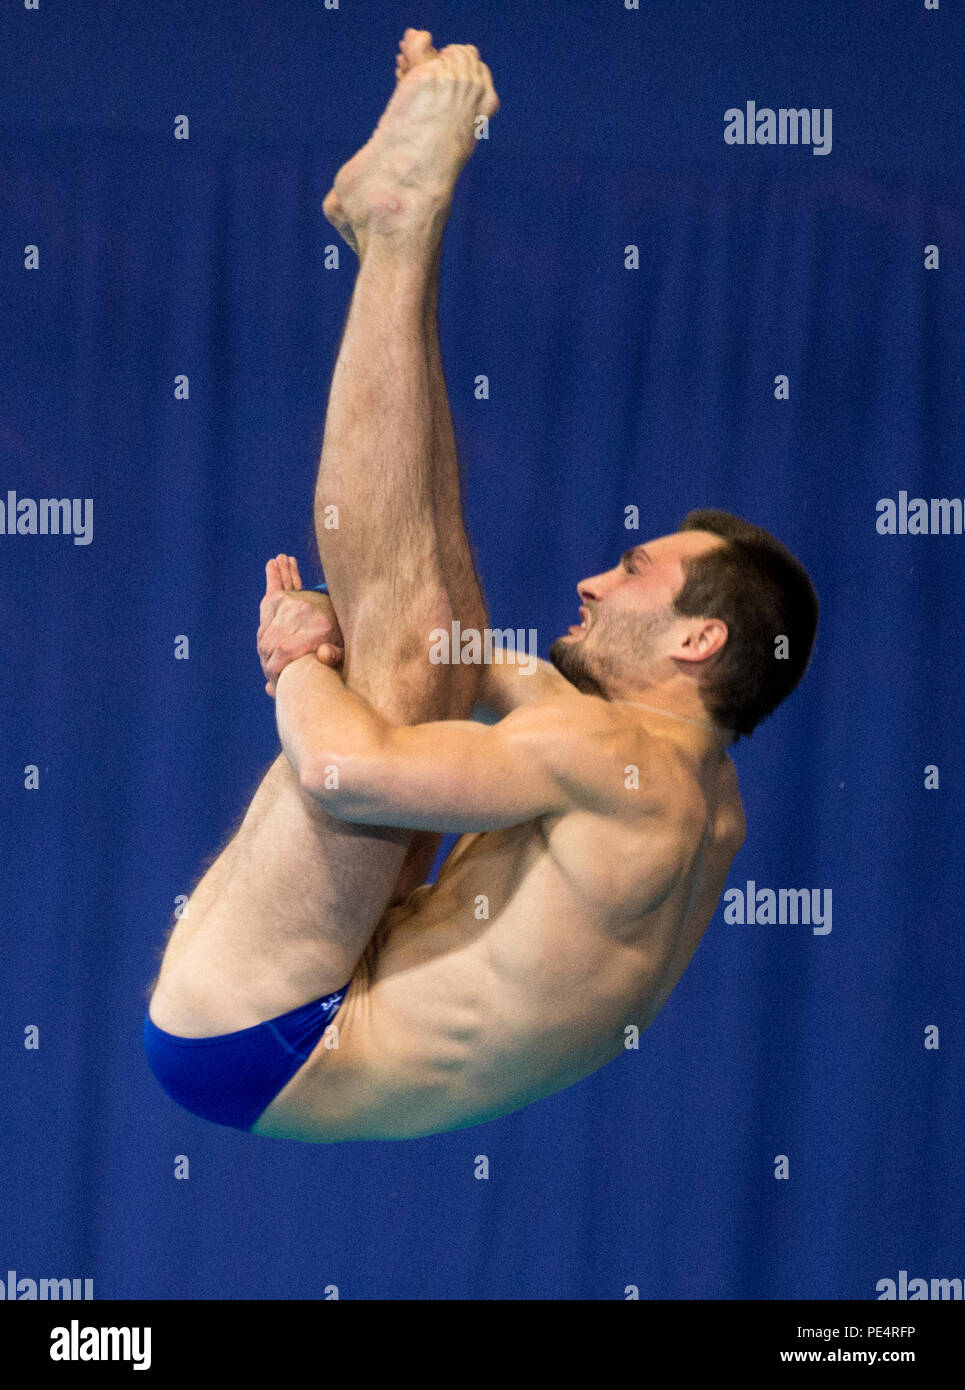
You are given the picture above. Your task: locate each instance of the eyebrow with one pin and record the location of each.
(637, 550)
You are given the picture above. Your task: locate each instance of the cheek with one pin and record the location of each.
(635, 603)
(653, 595)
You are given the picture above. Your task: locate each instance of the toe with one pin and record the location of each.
(456, 60)
(417, 46)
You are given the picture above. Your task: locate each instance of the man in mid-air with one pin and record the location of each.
(316, 987)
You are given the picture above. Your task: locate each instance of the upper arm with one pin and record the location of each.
(459, 776)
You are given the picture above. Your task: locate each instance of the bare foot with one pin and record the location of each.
(404, 175)
(415, 47)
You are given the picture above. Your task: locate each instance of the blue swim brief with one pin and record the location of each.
(232, 1078)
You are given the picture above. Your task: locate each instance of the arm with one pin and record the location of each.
(452, 775)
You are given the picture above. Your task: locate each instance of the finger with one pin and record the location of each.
(273, 584)
(276, 662)
(295, 572)
(268, 608)
(329, 655)
(270, 690)
(285, 571)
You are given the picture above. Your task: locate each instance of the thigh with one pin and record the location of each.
(284, 913)
(416, 865)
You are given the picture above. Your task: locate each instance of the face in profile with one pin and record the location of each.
(628, 630)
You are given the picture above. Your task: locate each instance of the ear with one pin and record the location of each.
(704, 639)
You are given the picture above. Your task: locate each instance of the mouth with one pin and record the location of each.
(582, 625)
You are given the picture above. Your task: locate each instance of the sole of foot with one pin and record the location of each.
(403, 177)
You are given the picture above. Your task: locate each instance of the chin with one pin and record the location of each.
(568, 658)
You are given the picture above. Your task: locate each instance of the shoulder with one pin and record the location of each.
(730, 820)
(567, 722)
(607, 761)
(705, 802)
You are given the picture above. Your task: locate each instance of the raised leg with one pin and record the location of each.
(286, 911)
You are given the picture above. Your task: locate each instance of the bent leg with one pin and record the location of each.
(286, 911)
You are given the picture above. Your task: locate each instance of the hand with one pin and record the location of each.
(294, 622)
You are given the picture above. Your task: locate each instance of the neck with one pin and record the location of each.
(720, 735)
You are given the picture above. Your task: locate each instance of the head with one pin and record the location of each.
(697, 615)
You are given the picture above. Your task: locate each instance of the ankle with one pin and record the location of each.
(406, 220)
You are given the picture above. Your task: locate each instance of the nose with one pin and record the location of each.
(594, 587)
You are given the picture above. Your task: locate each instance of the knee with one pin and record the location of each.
(407, 652)
(441, 641)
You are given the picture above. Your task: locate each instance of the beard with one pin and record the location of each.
(618, 649)
(571, 661)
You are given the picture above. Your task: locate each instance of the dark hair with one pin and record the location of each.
(757, 587)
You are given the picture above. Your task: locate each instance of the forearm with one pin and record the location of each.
(320, 720)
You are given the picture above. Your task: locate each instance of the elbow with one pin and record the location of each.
(337, 784)
(321, 777)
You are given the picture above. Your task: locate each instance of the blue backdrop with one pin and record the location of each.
(609, 387)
